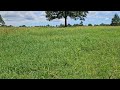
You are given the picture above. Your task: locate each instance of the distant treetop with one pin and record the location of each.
(1, 20)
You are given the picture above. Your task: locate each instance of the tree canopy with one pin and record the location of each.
(50, 15)
(115, 20)
(1, 20)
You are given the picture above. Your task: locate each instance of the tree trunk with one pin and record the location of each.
(65, 19)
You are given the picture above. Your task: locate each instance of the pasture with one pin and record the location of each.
(60, 53)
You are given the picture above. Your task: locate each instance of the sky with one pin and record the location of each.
(37, 18)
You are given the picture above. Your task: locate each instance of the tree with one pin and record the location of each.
(10, 26)
(48, 25)
(102, 24)
(81, 23)
(115, 20)
(96, 25)
(50, 15)
(1, 20)
(23, 26)
(90, 25)
(61, 25)
(76, 25)
(69, 25)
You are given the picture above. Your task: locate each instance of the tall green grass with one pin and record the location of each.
(72, 52)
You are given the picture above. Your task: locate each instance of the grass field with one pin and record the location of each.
(60, 53)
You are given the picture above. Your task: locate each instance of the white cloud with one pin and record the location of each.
(102, 14)
(22, 17)
(107, 18)
(29, 17)
(25, 17)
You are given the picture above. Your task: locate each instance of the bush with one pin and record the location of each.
(22, 26)
(69, 25)
(62, 25)
(90, 25)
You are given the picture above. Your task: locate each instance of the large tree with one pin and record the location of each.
(115, 20)
(50, 15)
(1, 20)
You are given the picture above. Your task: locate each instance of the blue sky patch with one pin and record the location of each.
(36, 18)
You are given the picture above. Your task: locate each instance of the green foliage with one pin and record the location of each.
(76, 25)
(2, 21)
(69, 25)
(48, 25)
(96, 25)
(23, 26)
(50, 15)
(10, 26)
(62, 14)
(90, 25)
(115, 20)
(81, 23)
(61, 25)
(60, 53)
(102, 24)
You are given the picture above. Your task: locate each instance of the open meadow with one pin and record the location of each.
(81, 52)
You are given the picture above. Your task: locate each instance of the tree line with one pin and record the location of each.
(51, 15)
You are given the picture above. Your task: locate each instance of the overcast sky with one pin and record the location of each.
(35, 18)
